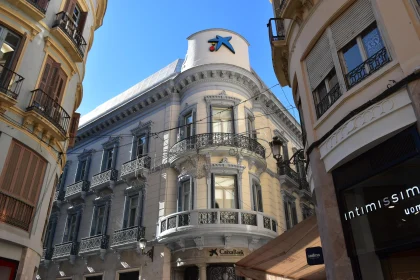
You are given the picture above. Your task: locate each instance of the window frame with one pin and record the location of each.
(130, 192)
(189, 110)
(182, 180)
(109, 154)
(290, 211)
(143, 129)
(222, 100)
(257, 200)
(101, 203)
(236, 188)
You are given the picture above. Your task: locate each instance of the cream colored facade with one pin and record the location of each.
(370, 94)
(30, 33)
(172, 180)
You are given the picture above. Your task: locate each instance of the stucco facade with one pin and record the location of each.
(32, 120)
(353, 68)
(169, 147)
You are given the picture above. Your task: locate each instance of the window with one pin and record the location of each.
(290, 211)
(98, 221)
(20, 184)
(250, 126)
(363, 55)
(76, 15)
(302, 122)
(141, 146)
(306, 211)
(222, 120)
(132, 210)
(185, 195)
(71, 228)
(108, 155)
(9, 42)
(327, 93)
(257, 197)
(188, 120)
(53, 81)
(48, 234)
(81, 171)
(225, 192)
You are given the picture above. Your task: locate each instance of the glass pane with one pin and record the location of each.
(352, 56)
(133, 202)
(132, 217)
(332, 80)
(222, 120)
(225, 191)
(372, 42)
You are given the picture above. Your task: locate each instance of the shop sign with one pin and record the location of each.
(386, 202)
(226, 252)
(314, 256)
(217, 42)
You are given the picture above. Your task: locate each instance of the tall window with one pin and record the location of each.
(185, 195)
(9, 42)
(225, 192)
(257, 197)
(82, 170)
(290, 212)
(76, 15)
(141, 146)
(132, 210)
(188, 121)
(250, 127)
(53, 81)
(222, 120)
(48, 234)
(108, 157)
(98, 221)
(71, 227)
(367, 46)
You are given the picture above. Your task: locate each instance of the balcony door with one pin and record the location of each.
(53, 80)
(222, 120)
(10, 47)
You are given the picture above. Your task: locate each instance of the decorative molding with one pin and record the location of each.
(287, 196)
(227, 168)
(111, 142)
(199, 242)
(142, 128)
(224, 160)
(76, 208)
(133, 190)
(280, 134)
(103, 200)
(222, 98)
(85, 154)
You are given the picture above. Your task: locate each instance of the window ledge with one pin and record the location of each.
(355, 90)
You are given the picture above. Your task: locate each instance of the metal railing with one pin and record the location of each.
(287, 170)
(202, 217)
(135, 165)
(41, 5)
(127, 236)
(10, 82)
(207, 140)
(66, 249)
(332, 96)
(367, 68)
(65, 23)
(51, 110)
(78, 187)
(276, 30)
(104, 177)
(93, 243)
(15, 212)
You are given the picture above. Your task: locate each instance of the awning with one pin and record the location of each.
(284, 257)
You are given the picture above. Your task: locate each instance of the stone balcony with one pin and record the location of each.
(229, 225)
(136, 169)
(77, 190)
(94, 245)
(105, 179)
(65, 251)
(290, 177)
(35, 9)
(127, 238)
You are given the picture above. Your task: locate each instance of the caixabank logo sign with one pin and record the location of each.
(226, 252)
(219, 41)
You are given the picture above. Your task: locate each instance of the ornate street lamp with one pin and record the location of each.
(142, 245)
(276, 146)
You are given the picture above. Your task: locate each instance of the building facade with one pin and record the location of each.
(353, 66)
(181, 160)
(44, 47)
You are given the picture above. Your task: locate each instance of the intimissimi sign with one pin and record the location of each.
(385, 202)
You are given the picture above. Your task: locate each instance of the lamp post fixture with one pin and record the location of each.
(276, 146)
(142, 245)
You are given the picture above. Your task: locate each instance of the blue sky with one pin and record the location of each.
(140, 37)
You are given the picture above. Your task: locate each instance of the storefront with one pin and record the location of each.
(379, 200)
(8, 269)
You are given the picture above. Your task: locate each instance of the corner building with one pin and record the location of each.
(181, 159)
(44, 48)
(353, 67)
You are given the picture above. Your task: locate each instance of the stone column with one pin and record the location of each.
(202, 271)
(27, 265)
(337, 263)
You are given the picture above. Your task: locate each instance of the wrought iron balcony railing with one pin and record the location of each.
(65, 23)
(332, 96)
(15, 212)
(51, 110)
(134, 166)
(200, 218)
(93, 244)
(65, 250)
(287, 170)
(10, 82)
(76, 189)
(367, 68)
(207, 140)
(276, 30)
(127, 237)
(104, 178)
(41, 5)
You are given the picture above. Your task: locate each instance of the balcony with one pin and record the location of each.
(127, 238)
(77, 190)
(367, 68)
(276, 31)
(34, 8)
(224, 141)
(291, 177)
(216, 222)
(136, 169)
(15, 212)
(94, 245)
(104, 179)
(332, 96)
(66, 32)
(10, 85)
(43, 110)
(279, 51)
(67, 250)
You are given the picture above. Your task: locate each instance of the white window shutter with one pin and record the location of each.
(319, 61)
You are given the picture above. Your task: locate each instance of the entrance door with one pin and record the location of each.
(8, 269)
(134, 275)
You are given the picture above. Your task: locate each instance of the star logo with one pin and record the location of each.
(213, 252)
(217, 42)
